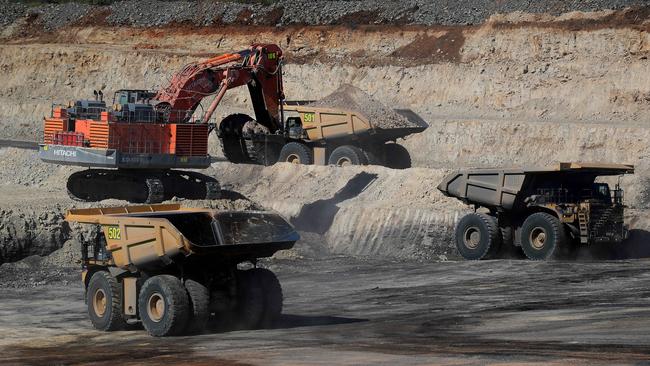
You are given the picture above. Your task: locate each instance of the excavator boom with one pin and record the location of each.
(258, 67)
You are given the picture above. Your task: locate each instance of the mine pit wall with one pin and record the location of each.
(577, 67)
(519, 90)
(25, 232)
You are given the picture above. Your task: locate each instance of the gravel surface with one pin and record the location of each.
(348, 97)
(10, 11)
(341, 311)
(152, 13)
(54, 16)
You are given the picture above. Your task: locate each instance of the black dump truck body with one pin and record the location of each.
(567, 198)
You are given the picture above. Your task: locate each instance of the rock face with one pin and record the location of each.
(151, 13)
(528, 88)
(25, 232)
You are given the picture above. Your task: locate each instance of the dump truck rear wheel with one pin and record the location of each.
(296, 153)
(476, 234)
(199, 305)
(250, 299)
(164, 306)
(541, 235)
(347, 155)
(397, 157)
(104, 299)
(273, 297)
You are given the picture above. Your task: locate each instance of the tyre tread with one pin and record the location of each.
(116, 321)
(199, 296)
(558, 232)
(179, 305)
(297, 148)
(492, 228)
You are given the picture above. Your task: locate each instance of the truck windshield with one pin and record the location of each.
(599, 192)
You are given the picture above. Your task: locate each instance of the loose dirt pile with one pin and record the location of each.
(348, 97)
(63, 265)
(33, 272)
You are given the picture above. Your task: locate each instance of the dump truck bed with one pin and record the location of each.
(501, 187)
(322, 123)
(154, 235)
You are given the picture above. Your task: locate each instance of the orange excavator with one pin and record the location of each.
(133, 147)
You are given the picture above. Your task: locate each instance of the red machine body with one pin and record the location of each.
(156, 131)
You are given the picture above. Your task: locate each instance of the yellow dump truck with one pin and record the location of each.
(324, 136)
(175, 268)
(348, 127)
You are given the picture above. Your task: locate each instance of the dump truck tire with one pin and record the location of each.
(397, 157)
(476, 234)
(541, 235)
(250, 300)
(233, 145)
(273, 297)
(164, 306)
(105, 303)
(347, 155)
(296, 153)
(266, 154)
(199, 296)
(374, 156)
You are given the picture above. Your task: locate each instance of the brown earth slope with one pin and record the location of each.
(525, 89)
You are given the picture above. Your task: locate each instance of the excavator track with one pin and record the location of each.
(141, 186)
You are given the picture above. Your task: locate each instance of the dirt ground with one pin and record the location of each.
(348, 312)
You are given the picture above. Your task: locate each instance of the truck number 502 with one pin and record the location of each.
(114, 233)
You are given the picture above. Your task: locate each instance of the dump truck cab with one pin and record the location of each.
(538, 209)
(174, 269)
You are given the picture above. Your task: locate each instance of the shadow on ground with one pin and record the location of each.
(286, 321)
(297, 321)
(637, 246)
(317, 217)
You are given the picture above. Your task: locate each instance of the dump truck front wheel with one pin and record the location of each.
(164, 306)
(541, 235)
(397, 157)
(104, 299)
(477, 236)
(347, 155)
(296, 153)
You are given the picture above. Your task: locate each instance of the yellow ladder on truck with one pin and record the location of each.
(584, 228)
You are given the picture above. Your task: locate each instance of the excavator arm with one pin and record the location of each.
(258, 67)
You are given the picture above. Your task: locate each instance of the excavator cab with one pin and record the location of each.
(134, 106)
(126, 96)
